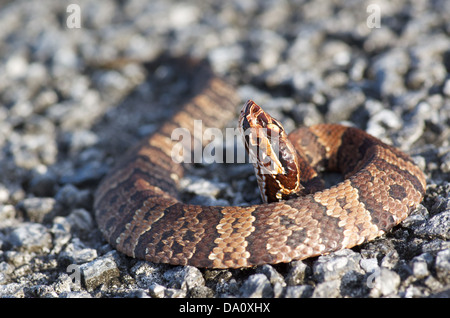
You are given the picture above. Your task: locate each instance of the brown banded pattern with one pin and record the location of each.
(138, 210)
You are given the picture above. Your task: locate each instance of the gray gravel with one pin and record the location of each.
(64, 121)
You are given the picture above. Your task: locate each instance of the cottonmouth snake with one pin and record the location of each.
(138, 211)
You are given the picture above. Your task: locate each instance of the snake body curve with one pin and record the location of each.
(138, 211)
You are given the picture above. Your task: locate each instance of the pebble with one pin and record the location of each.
(147, 274)
(157, 291)
(369, 265)
(36, 209)
(443, 265)
(77, 253)
(43, 184)
(389, 69)
(100, 271)
(7, 211)
(302, 291)
(336, 265)
(297, 274)
(256, 286)
(12, 290)
(307, 114)
(420, 264)
(31, 237)
(272, 274)
(88, 173)
(328, 289)
(184, 278)
(386, 283)
(343, 106)
(436, 226)
(80, 221)
(4, 194)
(70, 196)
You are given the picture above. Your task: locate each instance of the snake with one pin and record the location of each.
(139, 212)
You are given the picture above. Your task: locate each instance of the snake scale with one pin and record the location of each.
(139, 213)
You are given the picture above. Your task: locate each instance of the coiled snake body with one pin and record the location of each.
(138, 210)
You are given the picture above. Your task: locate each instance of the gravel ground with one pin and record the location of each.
(64, 121)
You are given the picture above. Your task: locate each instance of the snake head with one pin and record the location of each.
(271, 153)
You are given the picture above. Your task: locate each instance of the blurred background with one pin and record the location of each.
(379, 65)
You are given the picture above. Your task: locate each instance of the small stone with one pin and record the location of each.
(65, 284)
(445, 165)
(31, 237)
(89, 172)
(75, 294)
(344, 105)
(335, 265)
(390, 259)
(5, 271)
(416, 218)
(185, 278)
(225, 284)
(16, 66)
(278, 290)
(419, 265)
(81, 139)
(414, 125)
(6, 268)
(36, 209)
(7, 211)
(61, 233)
(182, 15)
(40, 291)
(18, 258)
(385, 283)
(77, 253)
(157, 291)
(13, 290)
(175, 293)
(436, 226)
(432, 283)
(302, 291)
(389, 69)
(100, 270)
(147, 274)
(369, 265)
(271, 273)
(256, 286)
(379, 39)
(381, 121)
(328, 289)
(268, 46)
(80, 220)
(43, 184)
(446, 89)
(203, 187)
(225, 56)
(70, 196)
(337, 51)
(296, 276)
(443, 266)
(415, 292)
(201, 292)
(4, 194)
(306, 114)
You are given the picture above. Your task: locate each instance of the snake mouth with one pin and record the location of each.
(262, 135)
(253, 116)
